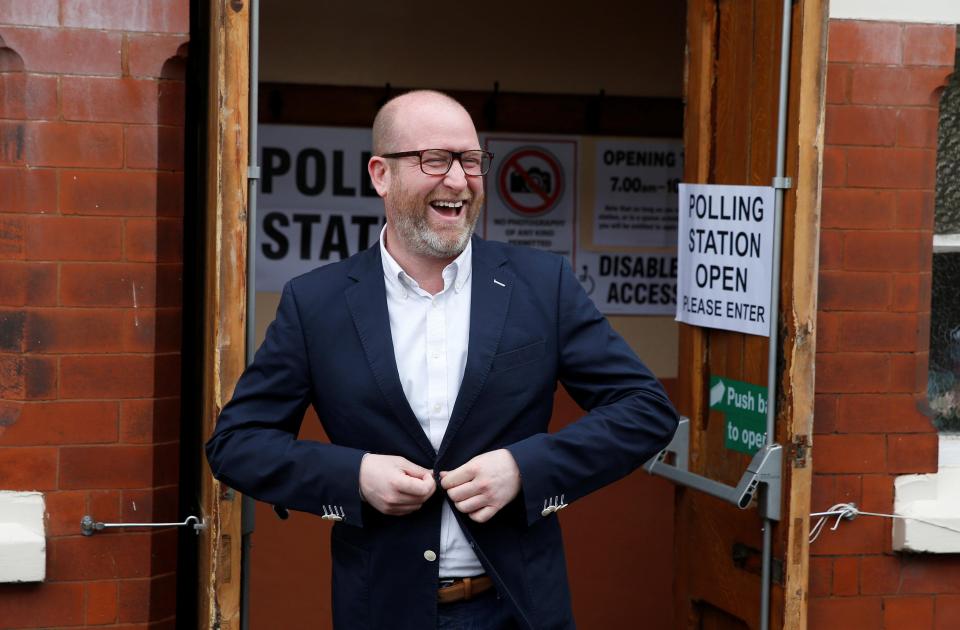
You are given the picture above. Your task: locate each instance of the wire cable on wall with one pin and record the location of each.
(849, 511)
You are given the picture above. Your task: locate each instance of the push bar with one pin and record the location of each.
(762, 477)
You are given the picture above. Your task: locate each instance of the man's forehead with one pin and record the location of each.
(434, 121)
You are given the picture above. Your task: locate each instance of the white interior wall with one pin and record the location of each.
(925, 11)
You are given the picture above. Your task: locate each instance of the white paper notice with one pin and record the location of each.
(532, 192)
(635, 198)
(725, 251)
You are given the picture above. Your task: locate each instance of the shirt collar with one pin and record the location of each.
(456, 274)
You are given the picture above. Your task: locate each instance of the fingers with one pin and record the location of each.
(417, 487)
(457, 476)
(483, 514)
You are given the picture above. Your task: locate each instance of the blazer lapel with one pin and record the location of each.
(367, 301)
(491, 286)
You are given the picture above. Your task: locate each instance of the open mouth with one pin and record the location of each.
(449, 209)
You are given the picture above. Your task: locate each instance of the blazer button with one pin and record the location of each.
(429, 555)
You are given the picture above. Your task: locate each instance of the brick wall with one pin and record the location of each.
(871, 424)
(91, 187)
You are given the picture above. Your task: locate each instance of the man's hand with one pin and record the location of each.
(482, 486)
(394, 485)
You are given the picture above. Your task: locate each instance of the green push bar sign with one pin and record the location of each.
(745, 407)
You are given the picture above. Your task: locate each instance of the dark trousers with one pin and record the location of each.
(484, 612)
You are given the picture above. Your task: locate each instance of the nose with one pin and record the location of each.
(456, 178)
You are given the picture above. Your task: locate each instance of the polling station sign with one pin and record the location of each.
(316, 204)
(725, 249)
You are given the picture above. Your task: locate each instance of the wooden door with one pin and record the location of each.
(733, 67)
(224, 298)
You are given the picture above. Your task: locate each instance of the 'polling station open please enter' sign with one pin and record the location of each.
(725, 257)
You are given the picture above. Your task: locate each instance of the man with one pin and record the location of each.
(432, 360)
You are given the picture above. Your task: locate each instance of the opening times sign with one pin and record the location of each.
(725, 257)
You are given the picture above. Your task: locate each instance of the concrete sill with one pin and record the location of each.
(23, 547)
(934, 498)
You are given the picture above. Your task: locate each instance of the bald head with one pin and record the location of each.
(393, 118)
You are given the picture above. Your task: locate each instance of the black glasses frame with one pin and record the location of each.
(454, 155)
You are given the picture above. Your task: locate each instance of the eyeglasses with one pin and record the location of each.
(438, 161)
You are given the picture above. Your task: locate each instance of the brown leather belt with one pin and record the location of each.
(463, 589)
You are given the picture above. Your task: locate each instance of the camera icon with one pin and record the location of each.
(540, 178)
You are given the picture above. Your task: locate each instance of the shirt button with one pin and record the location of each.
(436, 407)
(429, 555)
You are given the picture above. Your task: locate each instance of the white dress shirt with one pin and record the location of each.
(430, 338)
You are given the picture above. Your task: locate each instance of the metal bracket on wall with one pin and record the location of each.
(762, 478)
(89, 527)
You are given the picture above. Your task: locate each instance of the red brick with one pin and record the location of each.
(858, 125)
(891, 168)
(908, 372)
(931, 574)
(74, 144)
(847, 489)
(881, 332)
(821, 576)
(28, 96)
(864, 42)
(946, 612)
(110, 99)
(57, 423)
(145, 421)
(24, 468)
(172, 102)
(152, 330)
(911, 292)
(105, 284)
(908, 613)
(857, 208)
(134, 601)
(34, 13)
(11, 237)
(64, 511)
(73, 238)
(28, 190)
(149, 146)
(862, 535)
(27, 377)
(66, 51)
(105, 505)
(106, 467)
(109, 193)
(879, 575)
(159, 504)
(148, 55)
(118, 376)
(846, 576)
(886, 251)
(100, 557)
(881, 413)
(163, 16)
(845, 290)
(912, 452)
(824, 413)
(857, 453)
(76, 330)
(28, 284)
(852, 372)
(834, 166)
(41, 605)
(918, 128)
(823, 494)
(828, 331)
(831, 249)
(148, 240)
(897, 86)
(915, 209)
(929, 44)
(838, 83)
(849, 612)
(166, 471)
(101, 603)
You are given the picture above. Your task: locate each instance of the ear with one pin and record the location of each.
(380, 174)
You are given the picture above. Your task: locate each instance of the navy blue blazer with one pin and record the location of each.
(531, 326)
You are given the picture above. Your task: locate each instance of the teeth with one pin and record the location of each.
(448, 204)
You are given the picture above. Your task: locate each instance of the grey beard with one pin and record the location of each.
(422, 240)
